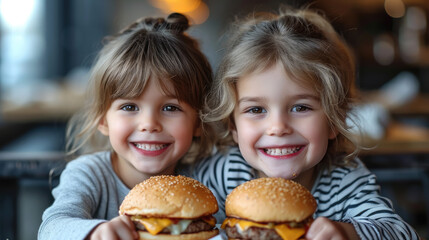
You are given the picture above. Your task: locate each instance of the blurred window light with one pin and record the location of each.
(16, 13)
(22, 46)
(384, 49)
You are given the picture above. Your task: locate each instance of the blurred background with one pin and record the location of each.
(48, 46)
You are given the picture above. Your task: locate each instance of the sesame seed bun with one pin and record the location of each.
(270, 200)
(170, 197)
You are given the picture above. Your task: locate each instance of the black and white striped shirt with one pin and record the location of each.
(345, 194)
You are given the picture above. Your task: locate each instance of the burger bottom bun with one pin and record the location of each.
(187, 236)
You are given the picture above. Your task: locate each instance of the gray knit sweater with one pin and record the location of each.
(88, 194)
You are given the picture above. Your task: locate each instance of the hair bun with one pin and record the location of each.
(178, 22)
(154, 23)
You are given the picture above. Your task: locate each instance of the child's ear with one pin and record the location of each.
(103, 127)
(233, 130)
(234, 135)
(197, 131)
(333, 134)
(198, 128)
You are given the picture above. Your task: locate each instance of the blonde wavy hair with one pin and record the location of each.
(150, 47)
(311, 52)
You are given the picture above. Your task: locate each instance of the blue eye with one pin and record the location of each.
(129, 108)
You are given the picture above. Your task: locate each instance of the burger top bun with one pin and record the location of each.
(171, 197)
(270, 200)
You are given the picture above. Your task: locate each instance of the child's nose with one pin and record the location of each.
(278, 126)
(150, 122)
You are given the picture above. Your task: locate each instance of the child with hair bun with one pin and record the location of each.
(146, 92)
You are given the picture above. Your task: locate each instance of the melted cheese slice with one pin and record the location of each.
(154, 225)
(283, 230)
(288, 233)
(243, 224)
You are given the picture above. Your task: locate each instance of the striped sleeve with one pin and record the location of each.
(352, 195)
(221, 173)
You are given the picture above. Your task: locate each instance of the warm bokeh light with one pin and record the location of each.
(199, 15)
(395, 8)
(182, 6)
(197, 10)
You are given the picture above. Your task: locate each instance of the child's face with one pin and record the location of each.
(150, 133)
(281, 128)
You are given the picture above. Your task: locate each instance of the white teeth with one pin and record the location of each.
(150, 147)
(281, 151)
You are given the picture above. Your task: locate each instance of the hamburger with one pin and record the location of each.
(172, 208)
(269, 208)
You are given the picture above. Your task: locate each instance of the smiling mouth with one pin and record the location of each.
(150, 147)
(281, 151)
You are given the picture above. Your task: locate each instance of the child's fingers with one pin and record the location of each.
(118, 228)
(315, 228)
(125, 234)
(103, 231)
(323, 228)
(130, 225)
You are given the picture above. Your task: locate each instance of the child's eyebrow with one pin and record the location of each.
(307, 96)
(172, 96)
(251, 99)
(294, 97)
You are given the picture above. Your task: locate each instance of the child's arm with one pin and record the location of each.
(85, 197)
(323, 228)
(356, 200)
(120, 227)
(378, 218)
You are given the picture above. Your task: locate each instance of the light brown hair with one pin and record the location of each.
(154, 48)
(311, 52)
